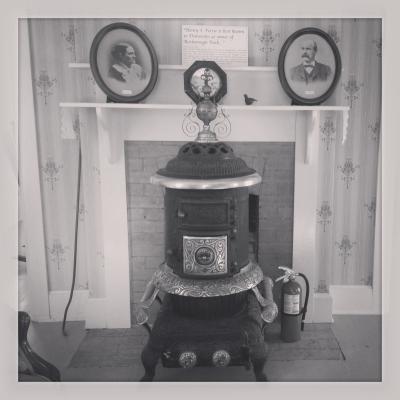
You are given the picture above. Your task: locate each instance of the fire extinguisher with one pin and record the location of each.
(292, 315)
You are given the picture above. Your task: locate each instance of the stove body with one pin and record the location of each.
(207, 232)
(217, 300)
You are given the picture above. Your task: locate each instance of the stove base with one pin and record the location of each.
(241, 335)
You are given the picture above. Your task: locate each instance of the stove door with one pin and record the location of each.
(205, 213)
(206, 232)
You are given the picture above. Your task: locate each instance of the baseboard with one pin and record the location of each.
(90, 310)
(58, 300)
(322, 308)
(341, 299)
(95, 313)
(353, 299)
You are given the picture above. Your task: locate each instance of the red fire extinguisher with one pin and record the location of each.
(292, 315)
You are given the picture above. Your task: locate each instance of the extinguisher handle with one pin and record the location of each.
(304, 310)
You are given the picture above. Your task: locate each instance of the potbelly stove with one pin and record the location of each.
(216, 301)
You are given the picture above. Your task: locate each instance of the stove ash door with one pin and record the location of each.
(206, 232)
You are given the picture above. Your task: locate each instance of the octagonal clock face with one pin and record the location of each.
(205, 79)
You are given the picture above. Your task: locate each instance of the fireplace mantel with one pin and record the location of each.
(313, 114)
(117, 123)
(159, 118)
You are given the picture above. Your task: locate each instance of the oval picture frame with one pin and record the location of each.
(311, 78)
(193, 81)
(124, 63)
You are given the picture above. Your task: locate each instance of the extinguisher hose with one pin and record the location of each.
(78, 193)
(304, 311)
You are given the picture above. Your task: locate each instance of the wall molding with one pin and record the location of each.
(30, 184)
(58, 300)
(341, 299)
(323, 308)
(90, 310)
(354, 299)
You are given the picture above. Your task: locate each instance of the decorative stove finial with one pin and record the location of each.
(205, 83)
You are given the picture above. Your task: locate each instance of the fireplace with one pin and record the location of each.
(279, 131)
(271, 205)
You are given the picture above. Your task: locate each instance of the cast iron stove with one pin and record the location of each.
(216, 300)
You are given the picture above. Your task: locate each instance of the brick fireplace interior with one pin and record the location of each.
(274, 161)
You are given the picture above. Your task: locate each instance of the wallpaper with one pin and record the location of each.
(348, 174)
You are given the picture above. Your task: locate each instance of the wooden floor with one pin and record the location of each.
(359, 337)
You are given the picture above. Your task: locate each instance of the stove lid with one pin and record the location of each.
(213, 160)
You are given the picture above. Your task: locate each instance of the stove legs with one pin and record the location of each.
(171, 334)
(258, 358)
(258, 368)
(150, 357)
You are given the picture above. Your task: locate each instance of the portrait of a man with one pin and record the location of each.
(310, 70)
(123, 66)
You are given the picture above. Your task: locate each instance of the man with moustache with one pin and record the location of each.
(310, 70)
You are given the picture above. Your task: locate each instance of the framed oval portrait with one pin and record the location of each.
(205, 78)
(124, 63)
(309, 66)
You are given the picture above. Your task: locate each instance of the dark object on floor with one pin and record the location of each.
(186, 342)
(249, 100)
(32, 367)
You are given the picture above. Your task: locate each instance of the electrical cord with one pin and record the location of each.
(78, 194)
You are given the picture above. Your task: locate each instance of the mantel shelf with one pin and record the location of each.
(183, 67)
(313, 115)
(149, 106)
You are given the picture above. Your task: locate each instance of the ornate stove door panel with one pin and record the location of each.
(205, 256)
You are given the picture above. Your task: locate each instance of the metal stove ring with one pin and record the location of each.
(248, 277)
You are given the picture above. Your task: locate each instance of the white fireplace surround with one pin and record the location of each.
(160, 121)
(119, 123)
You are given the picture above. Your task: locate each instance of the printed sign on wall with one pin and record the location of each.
(226, 45)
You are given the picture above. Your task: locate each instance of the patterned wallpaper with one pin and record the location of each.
(347, 178)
